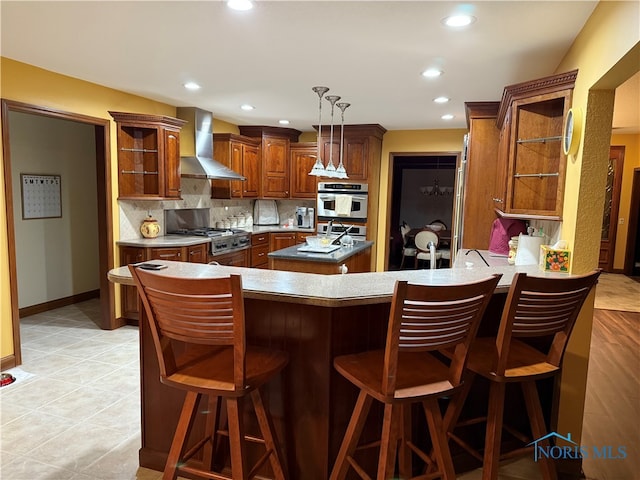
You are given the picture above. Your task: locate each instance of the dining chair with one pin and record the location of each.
(424, 240)
(535, 308)
(422, 320)
(444, 248)
(407, 250)
(198, 331)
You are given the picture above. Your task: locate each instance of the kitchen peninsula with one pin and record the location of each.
(314, 318)
(302, 258)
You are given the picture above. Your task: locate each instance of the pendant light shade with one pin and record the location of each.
(319, 169)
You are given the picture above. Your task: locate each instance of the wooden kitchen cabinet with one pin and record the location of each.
(536, 163)
(303, 157)
(481, 174)
(238, 258)
(148, 155)
(502, 164)
(241, 154)
(301, 237)
(275, 161)
(280, 240)
(275, 167)
(361, 151)
(259, 250)
(129, 301)
(166, 253)
(197, 253)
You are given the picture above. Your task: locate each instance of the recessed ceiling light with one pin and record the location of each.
(448, 116)
(192, 86)
(283, 122)
(441, 99)
(459, 20)
(432, 73)
(241, 5)
(247, 108)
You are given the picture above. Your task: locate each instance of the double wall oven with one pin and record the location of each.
(343, 205)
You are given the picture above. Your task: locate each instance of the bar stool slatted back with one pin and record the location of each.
(423, 319)
(198, 330)
(535, 307)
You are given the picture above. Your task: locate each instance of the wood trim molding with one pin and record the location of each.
(553, 83)
(260, 130)
(480, 110)
(60, 302)
(125, 117)
(8, 362)
(105, 224)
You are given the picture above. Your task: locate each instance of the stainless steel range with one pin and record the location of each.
(195, 221)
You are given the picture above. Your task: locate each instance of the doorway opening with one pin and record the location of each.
(100, 131)
(632, 255)
(422, 191)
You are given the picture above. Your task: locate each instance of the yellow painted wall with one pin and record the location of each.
(398, 141)
(631, 161)
(601, 53)
(24, 83)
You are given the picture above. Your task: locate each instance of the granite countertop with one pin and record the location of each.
(472, 258)
(337, 256)
(165, 241)
(188, 240)
(279, 228)
(333, 290)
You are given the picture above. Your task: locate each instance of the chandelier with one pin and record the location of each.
(436, 189)
(330, 170)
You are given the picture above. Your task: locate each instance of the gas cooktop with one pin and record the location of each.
(208, 232)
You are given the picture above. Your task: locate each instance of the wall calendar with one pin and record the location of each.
(41, 196)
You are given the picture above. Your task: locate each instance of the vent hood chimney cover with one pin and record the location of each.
(196, 147)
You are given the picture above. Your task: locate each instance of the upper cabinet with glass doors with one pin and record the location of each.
(148, 156)
(531, 119)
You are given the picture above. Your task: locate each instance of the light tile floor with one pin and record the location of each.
(74, 412)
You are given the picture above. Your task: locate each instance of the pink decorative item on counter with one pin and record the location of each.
(502, 230)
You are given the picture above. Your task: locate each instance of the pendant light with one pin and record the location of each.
(319, 169)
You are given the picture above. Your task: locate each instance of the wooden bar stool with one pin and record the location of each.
(198, 330)
(422, 319)
(535, 307)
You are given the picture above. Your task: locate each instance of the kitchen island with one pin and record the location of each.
(298, 258)
(314, 318)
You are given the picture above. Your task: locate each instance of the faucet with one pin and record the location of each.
(479, 254)
(329, 228)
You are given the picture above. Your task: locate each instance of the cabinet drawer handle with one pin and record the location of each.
(539, 175)
(261, 254)
(168, 255)
(135, 172)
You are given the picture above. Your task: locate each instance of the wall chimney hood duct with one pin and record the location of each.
(196, 147)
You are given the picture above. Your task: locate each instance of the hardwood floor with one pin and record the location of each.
(612, 402)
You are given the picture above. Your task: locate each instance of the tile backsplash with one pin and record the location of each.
(195, 194)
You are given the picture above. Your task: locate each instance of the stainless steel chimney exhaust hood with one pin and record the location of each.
(196, 147)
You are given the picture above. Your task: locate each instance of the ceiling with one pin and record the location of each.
(371, 53)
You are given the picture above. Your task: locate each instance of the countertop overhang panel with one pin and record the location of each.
(334, 290)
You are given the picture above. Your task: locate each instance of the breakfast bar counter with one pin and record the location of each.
(314, 318)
